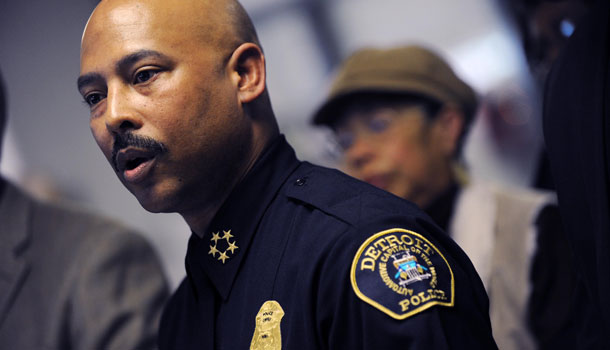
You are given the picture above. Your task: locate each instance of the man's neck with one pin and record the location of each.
(198, 223)
(200, 219)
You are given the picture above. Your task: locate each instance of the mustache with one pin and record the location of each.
(122, 141)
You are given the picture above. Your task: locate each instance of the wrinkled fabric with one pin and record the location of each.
(71, 280)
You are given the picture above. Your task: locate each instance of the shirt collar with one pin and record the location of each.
(220, 251)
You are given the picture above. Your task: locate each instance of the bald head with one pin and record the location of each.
(219, 24)
(241, 23)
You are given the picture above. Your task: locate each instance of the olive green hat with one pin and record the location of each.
(410, 70)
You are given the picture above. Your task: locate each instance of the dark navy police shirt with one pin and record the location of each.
(304, 257)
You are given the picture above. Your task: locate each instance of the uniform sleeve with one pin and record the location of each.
(118, 295)
(393, 287)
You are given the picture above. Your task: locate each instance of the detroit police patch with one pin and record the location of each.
(401, 273)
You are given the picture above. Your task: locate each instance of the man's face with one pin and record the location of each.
(164, 111)
(393, 148)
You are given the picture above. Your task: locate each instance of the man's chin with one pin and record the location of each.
(155, 207)
(151, 202)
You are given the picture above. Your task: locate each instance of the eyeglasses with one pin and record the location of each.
(367, 125)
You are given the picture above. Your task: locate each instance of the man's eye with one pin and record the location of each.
(93, 99)
(144, 76)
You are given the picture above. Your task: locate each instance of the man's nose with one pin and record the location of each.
(121, 115)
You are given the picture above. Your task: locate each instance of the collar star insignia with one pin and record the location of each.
(232, 247)
(216, 240)
(227, 235)
(213, 250)
(223, 256)
(215, 236)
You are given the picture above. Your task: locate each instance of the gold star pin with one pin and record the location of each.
(213, 250)
(227, 235)
(217, 245)
(216, 236)
(232, 247)
(223, 256)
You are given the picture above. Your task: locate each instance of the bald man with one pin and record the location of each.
(283, 254)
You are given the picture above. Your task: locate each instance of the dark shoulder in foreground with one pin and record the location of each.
(346, 198)
(401, 269)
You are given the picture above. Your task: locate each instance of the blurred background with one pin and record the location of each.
(49, 150)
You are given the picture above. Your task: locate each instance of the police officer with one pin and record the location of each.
(284, 254)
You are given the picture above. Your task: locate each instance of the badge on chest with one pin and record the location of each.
(267, 334)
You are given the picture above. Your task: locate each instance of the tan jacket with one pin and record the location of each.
(70, 280)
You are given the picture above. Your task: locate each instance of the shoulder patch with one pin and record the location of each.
(401, 273)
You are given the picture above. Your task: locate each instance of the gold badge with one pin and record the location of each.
(267, 334)
(223, 255)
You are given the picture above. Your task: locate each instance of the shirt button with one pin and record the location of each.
(300, 182)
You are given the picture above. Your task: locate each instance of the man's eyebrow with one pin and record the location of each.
(87, 79)
(122, 65)
(132, 58)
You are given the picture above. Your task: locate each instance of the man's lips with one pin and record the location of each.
(134, 163)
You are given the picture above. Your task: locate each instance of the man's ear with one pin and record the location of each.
(247, 69)
(448, 126)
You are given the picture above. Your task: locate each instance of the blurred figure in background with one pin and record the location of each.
(544, 27)
(400, 116)
(70, 280)
(576, 124)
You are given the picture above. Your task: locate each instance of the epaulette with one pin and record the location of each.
(344, 197)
